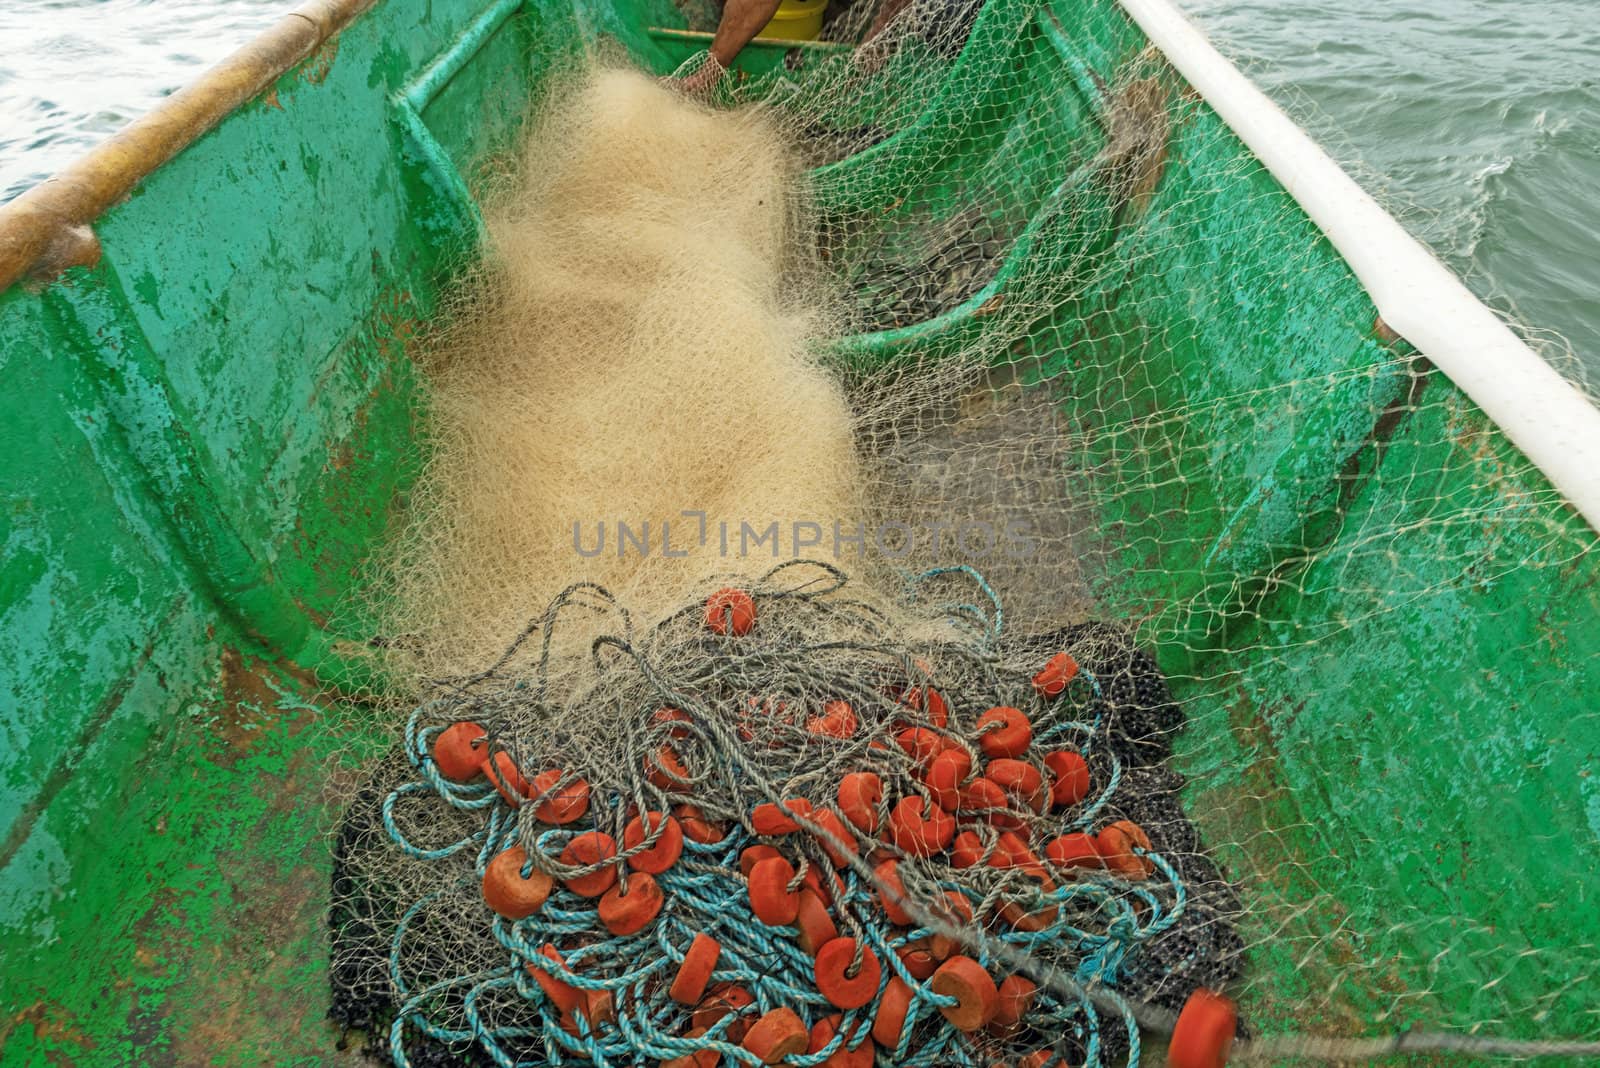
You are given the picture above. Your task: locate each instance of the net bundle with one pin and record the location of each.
(731, 838)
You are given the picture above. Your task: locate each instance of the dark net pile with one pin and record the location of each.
(748, 835)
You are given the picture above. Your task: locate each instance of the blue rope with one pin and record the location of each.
(1099, 921)
(990, 626)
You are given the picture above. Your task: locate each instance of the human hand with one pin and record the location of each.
(699, 82)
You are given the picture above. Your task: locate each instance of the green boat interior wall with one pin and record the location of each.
(208, 432)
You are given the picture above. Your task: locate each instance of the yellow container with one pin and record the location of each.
(796, 20)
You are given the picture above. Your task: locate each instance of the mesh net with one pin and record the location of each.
(869, 720)
(1088, 349)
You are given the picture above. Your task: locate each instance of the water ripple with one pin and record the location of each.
(1478, 123)
(73, 71)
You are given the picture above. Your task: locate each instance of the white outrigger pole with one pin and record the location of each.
(1548, 418)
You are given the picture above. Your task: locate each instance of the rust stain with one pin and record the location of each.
(253, 980)
(252, 984)
(1135, 154)
(249, 706)
(254, 987)
(320, 618)
(314, 70)
(396, 327)
(341, 456)
(270, 100)
(48, 1023)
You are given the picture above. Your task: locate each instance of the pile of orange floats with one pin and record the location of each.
(868, 907)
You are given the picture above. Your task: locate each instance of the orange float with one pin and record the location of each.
(750, 856)
(946, 772)
(770, 897)
(812, 880)
(563, 805)
(1116, 843)
(966, 850)
(591, 847)
(1011, 851)
(933, 706)
(920, 829)
(730, 611)
(1015, 997)
(724, 999)
(661, 856)
(508, 892)
(837, 840)
(458, 751)
(838, 720)
(893, 1008)
(1052, 679)
(860, 794)
(1019, 917)
(922, 745)
(983, 798)
(1069, 782)
(1073, 851)
(776, 1035)
(892, 893)
(696, 827)
(975, 992)
(1020, 780)
(630, 913)
(562, 995)
(917, 958)
(956, 911)
(831, 969)
(673, 716)
(503, 772)
(667, 770)
(689, 984)
(772, 818)
(1004, 732)
(1204, 1032)
(815, 924)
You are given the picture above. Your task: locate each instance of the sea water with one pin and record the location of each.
(1476, 121)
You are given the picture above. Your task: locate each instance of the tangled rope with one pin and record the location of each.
(706, 771)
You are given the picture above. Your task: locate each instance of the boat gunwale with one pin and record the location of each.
(1548, 418)
(46, 229)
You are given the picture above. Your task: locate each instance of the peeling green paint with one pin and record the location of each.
(205, 461)
(218, 422)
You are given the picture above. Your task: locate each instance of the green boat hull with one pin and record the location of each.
(209, 428)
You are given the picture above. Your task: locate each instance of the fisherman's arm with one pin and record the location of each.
(741, 21)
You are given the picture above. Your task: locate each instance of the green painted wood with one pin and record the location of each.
(1423, 778)
(207, 433)
(1380, 618)
(86, 575)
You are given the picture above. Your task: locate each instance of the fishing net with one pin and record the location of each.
(1088, 360)
(868, 739)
